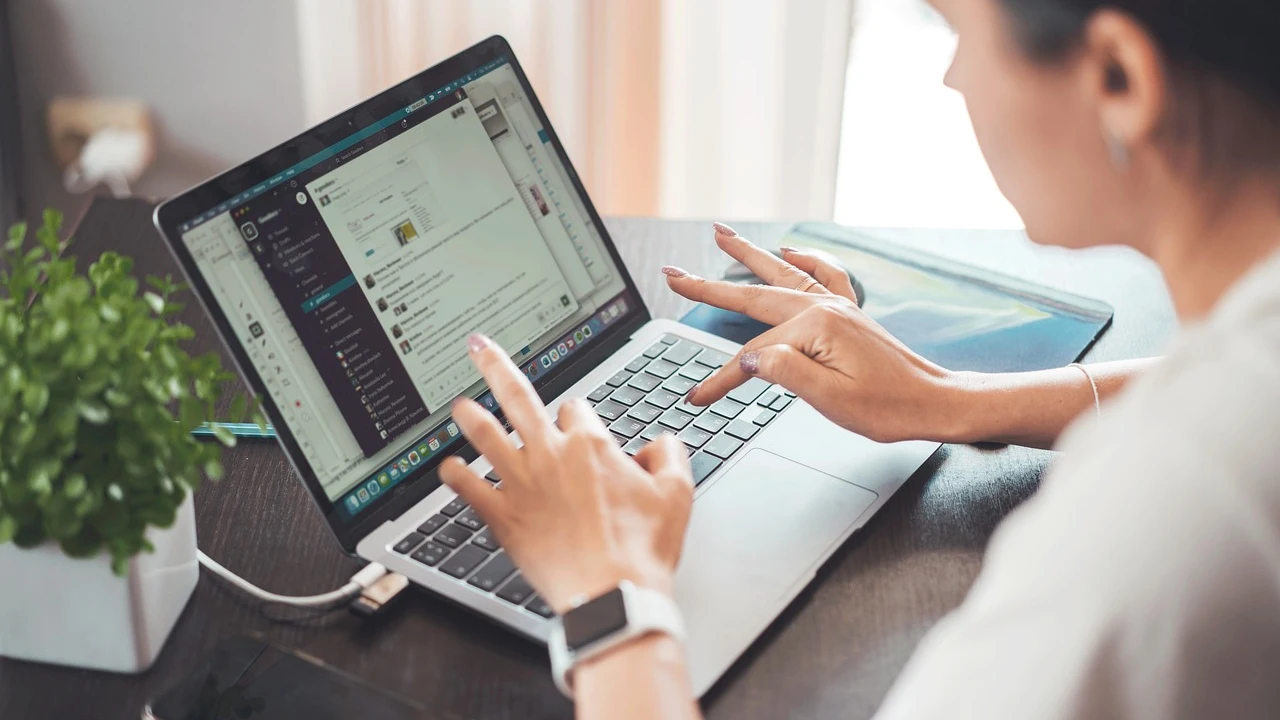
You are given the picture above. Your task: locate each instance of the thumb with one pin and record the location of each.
(474, 490)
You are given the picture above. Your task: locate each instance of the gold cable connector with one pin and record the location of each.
(380, 594)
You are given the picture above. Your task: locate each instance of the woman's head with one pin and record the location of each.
(1097, 115)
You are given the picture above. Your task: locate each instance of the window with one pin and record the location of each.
(908, 155)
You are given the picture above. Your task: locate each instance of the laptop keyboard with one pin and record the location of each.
(640, 403)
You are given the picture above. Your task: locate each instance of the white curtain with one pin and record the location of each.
(678, 108)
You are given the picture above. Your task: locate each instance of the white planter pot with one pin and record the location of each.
(56, 609)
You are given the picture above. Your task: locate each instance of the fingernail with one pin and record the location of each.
(750, 363)
(477, 342)
(692, 391)
(674, 272)
(723, 229)
(787, 249)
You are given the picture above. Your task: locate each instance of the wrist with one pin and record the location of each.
(965, 408)
(598, 582)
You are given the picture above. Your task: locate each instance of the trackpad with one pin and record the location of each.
(755, 534)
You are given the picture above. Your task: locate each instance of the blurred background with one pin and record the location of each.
(734, 109)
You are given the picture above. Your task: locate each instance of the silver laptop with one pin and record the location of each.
(345, 269)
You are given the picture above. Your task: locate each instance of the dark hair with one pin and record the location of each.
(1223, 57)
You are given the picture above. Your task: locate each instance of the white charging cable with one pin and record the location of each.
(114, 157)
(359, 582)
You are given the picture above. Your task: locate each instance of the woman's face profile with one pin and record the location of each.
(1040, 126)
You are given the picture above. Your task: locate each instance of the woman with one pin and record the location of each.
(1143, 580)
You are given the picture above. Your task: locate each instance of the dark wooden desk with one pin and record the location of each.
(832, 654)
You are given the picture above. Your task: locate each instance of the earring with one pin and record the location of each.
(1118, 149)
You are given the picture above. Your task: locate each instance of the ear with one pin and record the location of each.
(1125, 73)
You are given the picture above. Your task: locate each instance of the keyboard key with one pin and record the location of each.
(453, 536)
(662, 369)
(627, 427)
(675, 419)
(433, 523)
(470, 520)
(662, 398)
(627, 396)
(780, 404)
(653, 432)
(493, 476)
(600, 393)
(712, 423)
(722, 447)
(453, 508)
(516, 591)
(681, 353)
(540, 607)
(713, 359)
(430, 553)
(461, 563)
(668, 339)
(635, 446)
(768, 397)
(485, 540)
(610, 410)
(787, 392)
(409, 542)
(742, 430)
(695, 372)
(728, 408)
(747, 392)
(645, 382)
(494, 573)
(764, 417)
(679, 385)
(622, 442)
(620, 379)
(638, 364)
(655, 351)
(645, 413)
(693, 437)
(703, 465)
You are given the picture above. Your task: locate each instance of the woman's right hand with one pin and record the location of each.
(825, 349)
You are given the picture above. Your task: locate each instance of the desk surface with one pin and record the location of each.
(834, 653)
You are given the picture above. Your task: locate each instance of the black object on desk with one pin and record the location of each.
(958, 316)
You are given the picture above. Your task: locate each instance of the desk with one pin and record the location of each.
(834, 653)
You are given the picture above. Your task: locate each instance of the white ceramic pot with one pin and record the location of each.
(67, 611)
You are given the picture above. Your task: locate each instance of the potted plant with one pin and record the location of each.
(97, 461)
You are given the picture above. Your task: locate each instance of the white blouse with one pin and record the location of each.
(1143, 578)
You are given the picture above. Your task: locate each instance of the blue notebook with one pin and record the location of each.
(958, 316)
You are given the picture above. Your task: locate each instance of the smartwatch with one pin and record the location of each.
(597, 626)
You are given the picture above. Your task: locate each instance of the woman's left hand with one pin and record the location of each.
(575, 513)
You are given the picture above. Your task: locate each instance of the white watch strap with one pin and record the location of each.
(648, 611)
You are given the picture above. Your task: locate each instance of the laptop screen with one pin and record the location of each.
(353, 278)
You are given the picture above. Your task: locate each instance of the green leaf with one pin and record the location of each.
(237, 407)
(17, 234)
(224, 436)
(8, 528)
(93, 412)
(36, 398)
(75, 486)
(155, 302)
(213, 469)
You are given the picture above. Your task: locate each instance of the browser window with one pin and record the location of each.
(355, 278)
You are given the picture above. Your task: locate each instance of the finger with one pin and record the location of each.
(486, 435)
(832, 277)
(767, 266)
(512, 390)
(769, 305)
(744, 365)
(665, 459)
(474, 490)
(576, 414)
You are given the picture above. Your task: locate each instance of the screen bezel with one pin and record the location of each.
(170, 215)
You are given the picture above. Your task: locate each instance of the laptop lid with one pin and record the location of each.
(345, 269)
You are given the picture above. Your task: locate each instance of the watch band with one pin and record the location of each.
(647, 611)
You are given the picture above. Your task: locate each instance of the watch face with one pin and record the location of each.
(595, 620)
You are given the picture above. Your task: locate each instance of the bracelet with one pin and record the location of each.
(1093, 384)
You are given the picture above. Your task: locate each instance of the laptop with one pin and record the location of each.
(344, 270)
